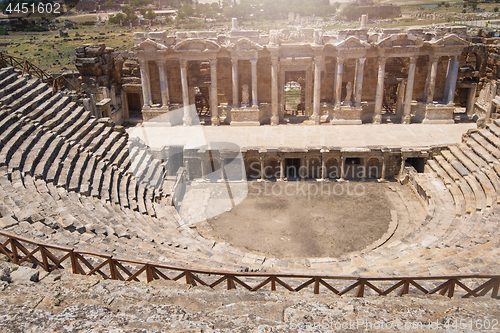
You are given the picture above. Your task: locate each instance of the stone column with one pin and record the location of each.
(323, 168)
(432, 79)
(202, 162)
(317, 89)
(262, 160)
(236, 103)
(163, 84)
(453, 79)
(448, 77)
(471, 100)
(145, 82)
(403, 161)
(365, 161)
(342, 167)
(377, 118)
(282, 168)
(409, 90)
(338, 87)
(384, 166)
(301, 169)
(360, 67)
(186, 119)
(255, 101)
(222, 166)
(309, 93)
(214, 104)
(274, 90)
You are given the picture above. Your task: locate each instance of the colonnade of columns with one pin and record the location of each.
(324, 172)
(429, 90)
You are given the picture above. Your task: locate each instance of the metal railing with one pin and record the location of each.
(27, 67)
(19, 249)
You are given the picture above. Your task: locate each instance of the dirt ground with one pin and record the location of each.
(305, 219)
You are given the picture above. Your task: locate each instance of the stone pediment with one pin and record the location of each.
(149, 45)
(244, 45)
(197, 45)
(400, 40)
(451, 40)
(352, 42)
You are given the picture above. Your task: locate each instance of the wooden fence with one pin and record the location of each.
(27, 67)
(50, 257)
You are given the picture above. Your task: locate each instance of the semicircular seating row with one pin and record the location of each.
(70, 179)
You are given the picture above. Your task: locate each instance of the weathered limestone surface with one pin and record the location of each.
(71, 303)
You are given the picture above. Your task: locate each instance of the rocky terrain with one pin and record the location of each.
(36, 301)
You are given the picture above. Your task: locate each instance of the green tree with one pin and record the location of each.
(150, 15)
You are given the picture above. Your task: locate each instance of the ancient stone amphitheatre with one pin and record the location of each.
(128, 220)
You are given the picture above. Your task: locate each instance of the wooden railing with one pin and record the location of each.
(50, 257)
(27, 67)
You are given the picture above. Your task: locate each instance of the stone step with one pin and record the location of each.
(107, 144)
(10, 131)
(9, 78)
(143, 168)
(458, 197)
(460, 156)
(28, 96)
(47, 105)
(16, 140)
(107, 182)
(467, 151)
(27, 86)
(31, 105)
(480, 151)
(97, 179)
(18, 83)
(135, 162)
(59, 117)
(5, 72)
(68, 165)
(84, 130)
(82, 119)
(486, 145)
(96, 130)
(123, 190)
(98, 140)
(48, 157)
(132, 193)
(68, 121)
(115, 150)
(115, 188)
(35, 154)
(87, 173)
(18, 157)
(55, 167)
(7, 120)
(141, 193)
(78, 172)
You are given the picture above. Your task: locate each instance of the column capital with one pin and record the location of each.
(382, 59)
(234, 61)
(254, 60)
(434, 57)
(183, 62)
(213, 62)
(340, 60)
(413, 60)
(361, 60)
